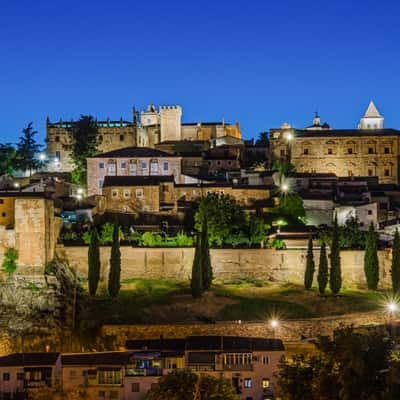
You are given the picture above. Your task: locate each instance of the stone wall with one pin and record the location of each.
(269, 264)
(293, 330)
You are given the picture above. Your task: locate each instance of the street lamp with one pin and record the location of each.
(285, 187)
(274, 323)
(42, 156)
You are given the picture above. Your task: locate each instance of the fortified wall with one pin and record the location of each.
(267, 264)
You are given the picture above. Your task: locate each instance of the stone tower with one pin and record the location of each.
(371, 119)
(170, 123)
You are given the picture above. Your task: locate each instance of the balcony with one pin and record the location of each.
(237, 367)
(144, 372)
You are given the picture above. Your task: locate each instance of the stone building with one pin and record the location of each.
(146, 129)
(130, 161)
(28, 224)
(160, 194)
(370, 150)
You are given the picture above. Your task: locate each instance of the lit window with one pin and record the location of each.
(266, 383)
(247, 383)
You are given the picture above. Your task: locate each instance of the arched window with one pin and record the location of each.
(154, 167)
(111, 167)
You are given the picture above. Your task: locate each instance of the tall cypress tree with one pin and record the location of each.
(196, 283)
(310, 265)
(395, 270)
(206, 268)
(94, 262)
(114, 278)
(322, 269)
(371, 262)
(335, 276)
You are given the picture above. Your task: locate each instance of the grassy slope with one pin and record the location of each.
(156, 301)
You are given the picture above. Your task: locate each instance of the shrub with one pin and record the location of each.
(10, 260)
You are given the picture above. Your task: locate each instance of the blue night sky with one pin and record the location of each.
(257, 62)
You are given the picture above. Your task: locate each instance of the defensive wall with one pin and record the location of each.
(268, 264)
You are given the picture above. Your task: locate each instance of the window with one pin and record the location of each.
(20, 376)
(387, 172)
(3, 214)
(110, 377)
(139, 193)
(100, 183)
(165, 165)
(265, 360)
(370, 172)
(102, 394)
(121, 138)
(265, 383)
(112, 167)
(370, 150)
(101, 165)
(136, 387)
(237, 358)
(127, 194)
(218, 162)
(305, 151)
(1, 201)
(154, 166)
(247, 383)
(144, 165)
(165, 188)
(282, 153)
(57, 138)
(58, 156)
(114, 193)
(369, 212)
(6, 376)
(132, 167)
(386, 150)
(113, 394)
(330, 151)
(72, 373)
(123, 165)
(349, 150)
(229, 162)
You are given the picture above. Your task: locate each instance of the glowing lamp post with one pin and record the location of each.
(391, 309)
(274, 323)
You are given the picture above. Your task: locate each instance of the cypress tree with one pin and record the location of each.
(322, 269)
(114, 277)
(335, 276)
(94, 262)
(196, 283)
(310, 265)
(395, 270)
(371, 262)
(206, 268)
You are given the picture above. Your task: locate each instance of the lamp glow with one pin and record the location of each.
(274, 323)
(392, 307)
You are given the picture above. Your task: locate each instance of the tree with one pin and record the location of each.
(322, 269)
(335, 276)
(10, 261)
(84, 145)
(225, 217)
(196, 283)
(310, 265)
(206, 268)
(186, 385)
(263, 139)
(371, 262)
(7, 159)
(114, 278)
(395, 270)
(94, 262)
(27, 151)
